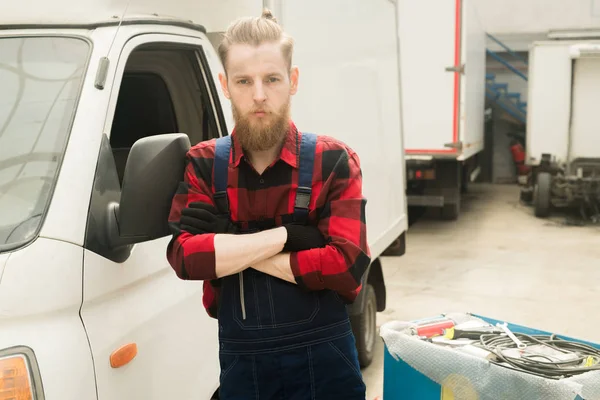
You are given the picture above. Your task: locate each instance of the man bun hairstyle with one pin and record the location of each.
(255, 31)
(267, 14)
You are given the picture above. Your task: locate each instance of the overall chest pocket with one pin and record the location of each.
(265, 302)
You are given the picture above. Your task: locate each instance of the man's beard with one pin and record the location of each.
(262, 135)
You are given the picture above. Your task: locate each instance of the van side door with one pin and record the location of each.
(133, 301)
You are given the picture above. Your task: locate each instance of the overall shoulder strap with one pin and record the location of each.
(308, 146)
(221, 167)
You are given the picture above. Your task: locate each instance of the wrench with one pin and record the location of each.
(504, 327)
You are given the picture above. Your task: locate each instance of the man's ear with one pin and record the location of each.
(224, 86)
(294, 75)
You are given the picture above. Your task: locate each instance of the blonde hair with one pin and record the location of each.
(256, 31)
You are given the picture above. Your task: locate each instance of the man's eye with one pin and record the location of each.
(273, 79)
(243, 81)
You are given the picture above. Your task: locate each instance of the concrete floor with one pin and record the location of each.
(496, 260)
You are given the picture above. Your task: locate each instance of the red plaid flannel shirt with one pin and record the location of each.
(337, 208)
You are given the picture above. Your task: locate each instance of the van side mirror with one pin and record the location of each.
(154, 168)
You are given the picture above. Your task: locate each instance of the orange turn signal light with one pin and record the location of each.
(122, 356)
(15, 383)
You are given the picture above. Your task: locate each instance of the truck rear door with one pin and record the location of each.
(430, 49)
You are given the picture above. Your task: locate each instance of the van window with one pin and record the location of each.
(40, 82)
(144, 109)
(162, 91)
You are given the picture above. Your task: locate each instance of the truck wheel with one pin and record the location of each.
(451, 211)
(541, 195)
(364, 326)
(464, 179)
(526, 196)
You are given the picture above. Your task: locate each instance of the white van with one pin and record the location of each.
(97, 109)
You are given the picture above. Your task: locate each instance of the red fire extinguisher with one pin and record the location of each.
(518, 154)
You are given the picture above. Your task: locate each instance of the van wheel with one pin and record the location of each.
(541, 195)
(364, 326)
(397, 248)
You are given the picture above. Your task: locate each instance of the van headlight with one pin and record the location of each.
(19, 375)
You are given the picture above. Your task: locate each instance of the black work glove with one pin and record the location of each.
(303, 237)
(199, 218)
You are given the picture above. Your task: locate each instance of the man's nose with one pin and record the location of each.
(259, 92)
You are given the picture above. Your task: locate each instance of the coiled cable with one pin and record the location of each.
(585, 357)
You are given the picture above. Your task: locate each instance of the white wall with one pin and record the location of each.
(518, 23)
(535, 16)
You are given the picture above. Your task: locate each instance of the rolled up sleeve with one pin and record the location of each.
(340, 265)
(192, 257)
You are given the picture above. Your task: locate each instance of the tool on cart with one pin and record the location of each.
(440, 325)
(432, 329)
(511, 335)
(472, 333)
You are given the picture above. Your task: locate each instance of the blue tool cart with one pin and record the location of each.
(427, 360)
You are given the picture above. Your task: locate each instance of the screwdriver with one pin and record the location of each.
(473, 334)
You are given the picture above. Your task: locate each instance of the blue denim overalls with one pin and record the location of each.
(278, 341)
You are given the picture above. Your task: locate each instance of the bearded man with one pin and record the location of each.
(273, 221)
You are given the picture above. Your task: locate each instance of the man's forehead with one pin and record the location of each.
(244, 58)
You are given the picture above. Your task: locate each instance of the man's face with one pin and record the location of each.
(259, 85)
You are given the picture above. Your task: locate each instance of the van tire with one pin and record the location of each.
(364, 326)
(397, 248)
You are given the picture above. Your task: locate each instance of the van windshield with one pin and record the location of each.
(40, 80)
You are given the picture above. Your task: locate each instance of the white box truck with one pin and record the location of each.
(563, 140)
(442, 47)
(99, 101)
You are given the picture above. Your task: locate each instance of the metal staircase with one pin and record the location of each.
(499, 92)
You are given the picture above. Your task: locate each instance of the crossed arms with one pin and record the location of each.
(266, 251)
(338, 264)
